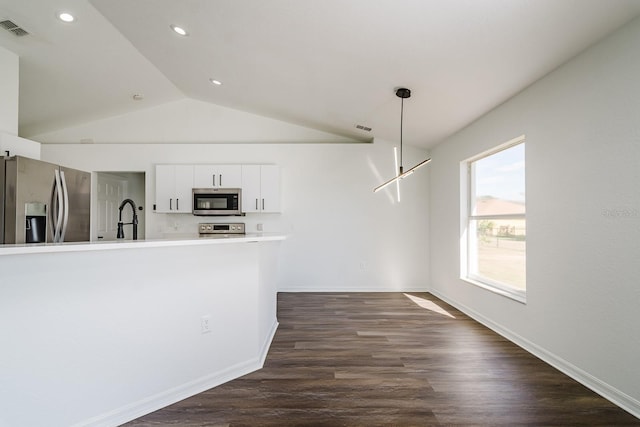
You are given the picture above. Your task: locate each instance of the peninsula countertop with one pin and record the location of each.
(38, 248)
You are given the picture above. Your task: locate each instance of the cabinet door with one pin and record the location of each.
(183, 187)
(270, 188)
(217, 176)
(251, 188)
(229, 176)
(165, 188)
(173, 188)
(205, 176)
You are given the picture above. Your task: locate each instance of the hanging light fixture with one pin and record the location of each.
(401, 93)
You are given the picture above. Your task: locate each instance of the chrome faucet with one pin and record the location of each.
(133, 222)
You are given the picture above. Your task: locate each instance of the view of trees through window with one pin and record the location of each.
(496, 221)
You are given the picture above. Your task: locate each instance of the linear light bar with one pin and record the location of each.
(395, 157)
(401, 175)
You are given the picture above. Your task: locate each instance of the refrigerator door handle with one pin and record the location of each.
(65, 206)
(56, 205)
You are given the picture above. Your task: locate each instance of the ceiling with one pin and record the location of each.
(325, 64)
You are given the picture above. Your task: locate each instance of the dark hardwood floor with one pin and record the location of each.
(391, 359)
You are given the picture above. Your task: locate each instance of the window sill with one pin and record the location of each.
(519, 296)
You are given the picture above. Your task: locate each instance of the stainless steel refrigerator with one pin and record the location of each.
(43, 202)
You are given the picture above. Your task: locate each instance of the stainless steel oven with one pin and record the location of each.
(221, 230)
(217, 201)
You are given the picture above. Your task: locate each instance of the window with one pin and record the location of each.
(495, 220)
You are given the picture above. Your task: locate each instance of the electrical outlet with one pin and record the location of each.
(205, 324)
(259, 226)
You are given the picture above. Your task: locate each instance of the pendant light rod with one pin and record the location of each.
(402, 93)
(401, 116)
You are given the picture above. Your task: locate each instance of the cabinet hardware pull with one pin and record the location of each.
(170, 204)
(220, 180)
(214, 179)
(256, 204)
(177, 204)
(262, 204)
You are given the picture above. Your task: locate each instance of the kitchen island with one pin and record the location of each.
(101, 333)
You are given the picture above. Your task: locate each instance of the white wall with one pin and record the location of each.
(9, 86)
(342, 235)
(188, 121)
(582, 127)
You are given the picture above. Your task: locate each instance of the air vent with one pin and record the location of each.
(13, 28)
(361, 127)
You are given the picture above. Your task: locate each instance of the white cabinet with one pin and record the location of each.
(173, 188)
(217, 176)
(17, 146)
(270, 188)
(251, 188)
(260, 185)
(260, 188)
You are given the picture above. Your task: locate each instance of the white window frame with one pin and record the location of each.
(468, 233)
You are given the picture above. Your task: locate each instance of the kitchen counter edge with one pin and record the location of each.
(38, 248)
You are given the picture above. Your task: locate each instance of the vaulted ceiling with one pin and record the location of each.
(326, 64)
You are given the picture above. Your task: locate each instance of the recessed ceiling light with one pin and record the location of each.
(138, 97)
(179, 30)
(66, 17)
(215, 82)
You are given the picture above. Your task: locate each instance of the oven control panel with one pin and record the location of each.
(220, 228)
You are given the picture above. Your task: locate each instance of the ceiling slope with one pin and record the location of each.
(328, 65)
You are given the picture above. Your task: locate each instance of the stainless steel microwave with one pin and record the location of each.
(217, 201)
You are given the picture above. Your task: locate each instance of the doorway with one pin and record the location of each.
(111, 189)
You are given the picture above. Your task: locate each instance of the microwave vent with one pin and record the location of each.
(13, 28)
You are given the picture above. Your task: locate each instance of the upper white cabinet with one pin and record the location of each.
(217, 176)
(260, 185)
(16, 146)
(173, 188)
(260, 188)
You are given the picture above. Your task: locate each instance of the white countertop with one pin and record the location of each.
(38, 248)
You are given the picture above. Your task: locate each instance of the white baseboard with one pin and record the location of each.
(267, 343)
(338, 289)
(161, 400)
(604, 389)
